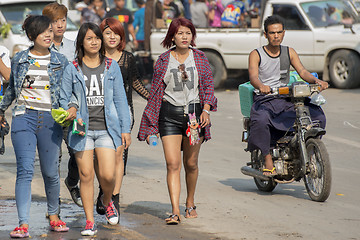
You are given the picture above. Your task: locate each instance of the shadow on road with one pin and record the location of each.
(295, 190)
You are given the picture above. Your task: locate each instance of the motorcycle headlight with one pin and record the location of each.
(302, 90)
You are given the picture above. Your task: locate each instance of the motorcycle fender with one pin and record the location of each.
(314, 133)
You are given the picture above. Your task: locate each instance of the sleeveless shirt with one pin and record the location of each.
(274, 71)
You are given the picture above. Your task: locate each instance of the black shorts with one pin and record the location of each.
(173, 120)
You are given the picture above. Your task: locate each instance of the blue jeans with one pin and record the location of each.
(28, 131)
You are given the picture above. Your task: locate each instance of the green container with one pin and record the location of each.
(246, 91)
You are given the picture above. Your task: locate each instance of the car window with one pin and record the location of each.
(15, 14)
(329, 13)
(290, 13)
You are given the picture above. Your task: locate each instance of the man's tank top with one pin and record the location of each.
(274, 71)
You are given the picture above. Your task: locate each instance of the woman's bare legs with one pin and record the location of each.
(106, 172)
(119, 169)
(85, 162)
(172, 151)
(190, 159)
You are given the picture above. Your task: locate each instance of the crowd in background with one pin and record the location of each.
(202, 13)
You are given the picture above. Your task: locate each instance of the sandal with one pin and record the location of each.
(188, 212)
(59, 226)
(173, 219)
(269, 172)
(20, 232)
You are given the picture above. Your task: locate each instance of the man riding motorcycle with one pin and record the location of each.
(272, 116)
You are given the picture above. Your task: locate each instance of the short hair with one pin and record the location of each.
(140, 2)
(34, 25)
(80, 52)
(117, 27)
(173, 29)
(55, 11)
(274, 19)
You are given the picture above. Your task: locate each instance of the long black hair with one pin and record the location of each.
(80, 41)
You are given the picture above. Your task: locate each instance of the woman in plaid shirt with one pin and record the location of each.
(182, 85)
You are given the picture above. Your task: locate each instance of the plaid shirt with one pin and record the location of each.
(150, 120)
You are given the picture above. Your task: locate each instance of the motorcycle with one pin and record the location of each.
(300, 154)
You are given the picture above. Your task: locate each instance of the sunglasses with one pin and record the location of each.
(184, 75)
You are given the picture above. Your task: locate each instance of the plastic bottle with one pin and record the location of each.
(153, 140)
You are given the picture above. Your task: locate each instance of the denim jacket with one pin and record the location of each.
(20, 66)
(117, 114)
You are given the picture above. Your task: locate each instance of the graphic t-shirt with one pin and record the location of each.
(35, 92)
(124, 16)
(232, 12)
(178, 91)
(94, 82)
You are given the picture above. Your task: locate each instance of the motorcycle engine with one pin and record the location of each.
(284, 161)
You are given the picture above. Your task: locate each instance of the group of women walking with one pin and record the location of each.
(95, 89)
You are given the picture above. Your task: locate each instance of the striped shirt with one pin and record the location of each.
(35, 92)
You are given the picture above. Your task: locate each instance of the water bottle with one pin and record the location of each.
(153, 140)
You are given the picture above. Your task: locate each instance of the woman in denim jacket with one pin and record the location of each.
(35, 80)
(97, 84)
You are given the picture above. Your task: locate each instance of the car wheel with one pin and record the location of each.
(344, 69)
(217, 67)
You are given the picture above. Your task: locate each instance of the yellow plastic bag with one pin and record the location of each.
(59, 115)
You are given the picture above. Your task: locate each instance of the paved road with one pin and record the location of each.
(229, 204)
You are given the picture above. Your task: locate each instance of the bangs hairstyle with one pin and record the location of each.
(117, 27)
(34, 25)
(174, 28)
(80, 52)
(55, 11)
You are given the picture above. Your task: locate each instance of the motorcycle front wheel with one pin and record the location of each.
(257, 161)
(318, 177)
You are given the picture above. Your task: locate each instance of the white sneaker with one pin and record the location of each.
(112, 215)
(90, 229)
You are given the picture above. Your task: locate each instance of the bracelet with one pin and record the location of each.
(208, 112)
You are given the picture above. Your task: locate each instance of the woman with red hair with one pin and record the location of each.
(181, 98)
(115, 41)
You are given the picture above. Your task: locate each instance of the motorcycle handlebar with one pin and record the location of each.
(289, 90)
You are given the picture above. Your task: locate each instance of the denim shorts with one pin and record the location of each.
(98, 139)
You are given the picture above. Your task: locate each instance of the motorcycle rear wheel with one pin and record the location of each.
(257, 162)
(318, 177)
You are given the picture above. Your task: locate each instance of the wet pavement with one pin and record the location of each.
(136, 223)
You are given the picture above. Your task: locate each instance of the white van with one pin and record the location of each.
(14, 12)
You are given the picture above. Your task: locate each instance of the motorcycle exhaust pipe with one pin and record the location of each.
(254, 173)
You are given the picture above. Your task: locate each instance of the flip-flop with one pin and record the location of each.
(20, 232)
(271, 171)
(58, 226)
(173, 219)
(189, 210)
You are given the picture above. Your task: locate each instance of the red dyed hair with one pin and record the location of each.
(117, 27)
(174, 28)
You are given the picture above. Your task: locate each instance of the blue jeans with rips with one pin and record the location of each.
(28, 131)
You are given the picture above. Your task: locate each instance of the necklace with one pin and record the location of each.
(176, 55)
